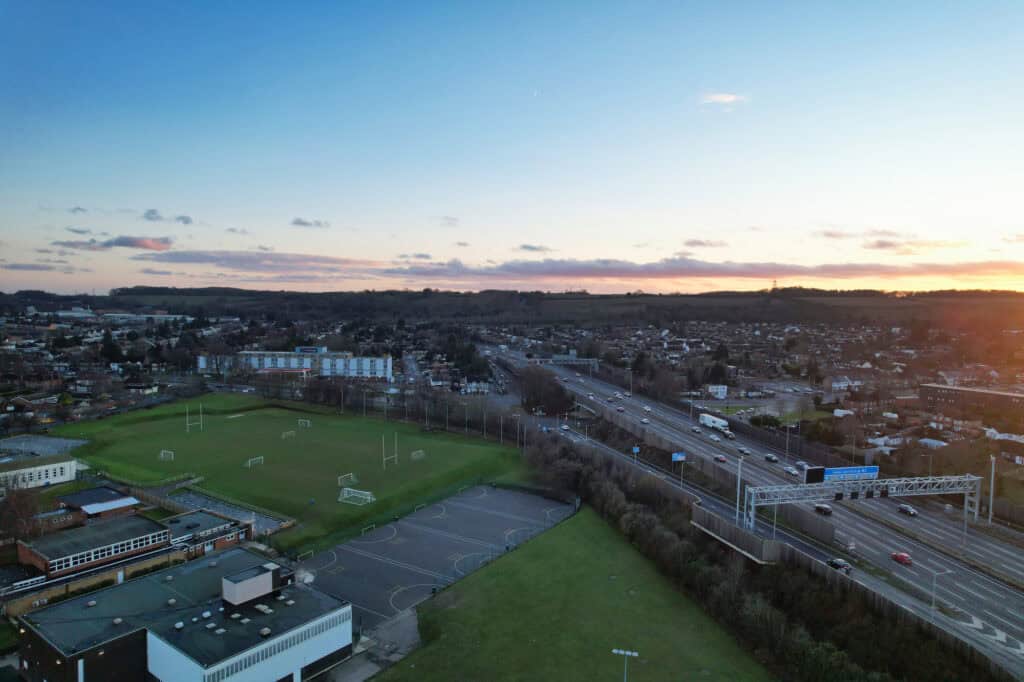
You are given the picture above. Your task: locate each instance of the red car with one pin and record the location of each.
(720, 458)
(902, 558)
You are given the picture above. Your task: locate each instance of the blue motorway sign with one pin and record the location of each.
(636, 449)
(678, 456)
(851, 473)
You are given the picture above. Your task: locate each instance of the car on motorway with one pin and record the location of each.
(800, 464)
(823, 509)
(769, 457)
(590, 395)
(628, 394)
(565, 427)
(743, 450)
(645, 420)
(610, 399)
(840, 565)
(791, 471)
(716, 438)
(906, 509)
(696, 429)
(720, 458)
(577, 374)
(647, 408)
(902, 558)
(620, 408)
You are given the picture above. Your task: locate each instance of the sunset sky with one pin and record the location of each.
(532, 145)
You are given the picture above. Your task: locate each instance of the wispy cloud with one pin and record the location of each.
(153, 271)
(265, 262)
(462, 244)
(448, 221)
(29, 267)
(152, 215)
(183, 219)
(76, 209)
(261, 247)
(236, 230)
(535, 248)
(722, 98)
(303, 222)
(704, 243)
(836, 234)
(414, 256)
(1014, 238)
(144, 243)
(911, 246)
(78, 230)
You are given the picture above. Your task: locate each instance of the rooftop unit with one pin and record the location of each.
(251, 584)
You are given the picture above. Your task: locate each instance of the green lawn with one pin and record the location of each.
(299, 476)
(555, 608)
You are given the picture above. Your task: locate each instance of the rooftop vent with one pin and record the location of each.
(118, 621)
(220, 608)
(210, 626)
(173, 520)
(195, 619)
(220, 631)
(169, 578)
(244, 621)
(290, 602)
(179, 625)
(236, 616)
(264, 632)
(206, 614)
(280, 597)
(213, 564)
(91, 603)
(172, 601)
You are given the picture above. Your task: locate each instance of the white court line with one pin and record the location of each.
(365, 608)
(394, 534)
(398, 590)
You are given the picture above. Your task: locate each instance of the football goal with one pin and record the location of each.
(287, 434)
(417, 455)
(347, 479)
(305, 423)
(167, 455)
(253, 461)
(353, 496)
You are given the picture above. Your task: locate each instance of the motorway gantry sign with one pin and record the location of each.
(825, 474)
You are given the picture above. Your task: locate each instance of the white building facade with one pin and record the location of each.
(315, 360)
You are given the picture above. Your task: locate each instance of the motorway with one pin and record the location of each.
(991, 613)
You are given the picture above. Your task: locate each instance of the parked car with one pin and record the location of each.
(902, 558)
(771, 458)
(645, 420)
(791, 471)
(906, 509)
(840, 565)
(720, 458)
(823, 509)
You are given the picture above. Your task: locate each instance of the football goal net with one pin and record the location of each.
(347, 479)
(353, 496)
(167, 455)
(253, 461)
(287, 434)
(305, 423)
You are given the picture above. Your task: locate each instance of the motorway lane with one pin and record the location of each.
(1001, 647)
(995, 610)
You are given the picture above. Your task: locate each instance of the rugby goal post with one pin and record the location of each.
(166, 455)
(253, 461)
(357, 497)
(287, 434)
(305, 423)
(347, 479)
(189, 424)
(384, 456)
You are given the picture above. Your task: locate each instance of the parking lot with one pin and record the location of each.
(394, 567)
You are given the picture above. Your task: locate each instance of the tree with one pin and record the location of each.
(721, 353)
(540, 389)
(17, 513)
(109, 349)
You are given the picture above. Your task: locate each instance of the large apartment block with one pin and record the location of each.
(936, 397)
(313, 360)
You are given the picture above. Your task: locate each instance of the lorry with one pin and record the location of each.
(713, 422)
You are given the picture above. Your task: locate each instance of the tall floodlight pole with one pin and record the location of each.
(501, 429)
(991, 488)
(739, 482)
(626, 655)
(364, 402)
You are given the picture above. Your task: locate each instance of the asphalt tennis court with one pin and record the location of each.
(394, 567)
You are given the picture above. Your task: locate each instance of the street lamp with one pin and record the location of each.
(991, 488)
(626, 655)
(739, 482)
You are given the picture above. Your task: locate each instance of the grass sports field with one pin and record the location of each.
(299, 475)
(556, 607)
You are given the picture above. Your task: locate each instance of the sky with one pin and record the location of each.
(606, 146)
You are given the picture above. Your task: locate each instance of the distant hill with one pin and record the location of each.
(940, 308)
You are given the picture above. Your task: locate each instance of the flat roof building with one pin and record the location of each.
(205, 531)
(97, 543)
(235, 617)
(308, 360)
(24, 470)
(100, 501)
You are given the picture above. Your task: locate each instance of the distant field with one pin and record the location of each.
(555, 608)
(299, 476)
